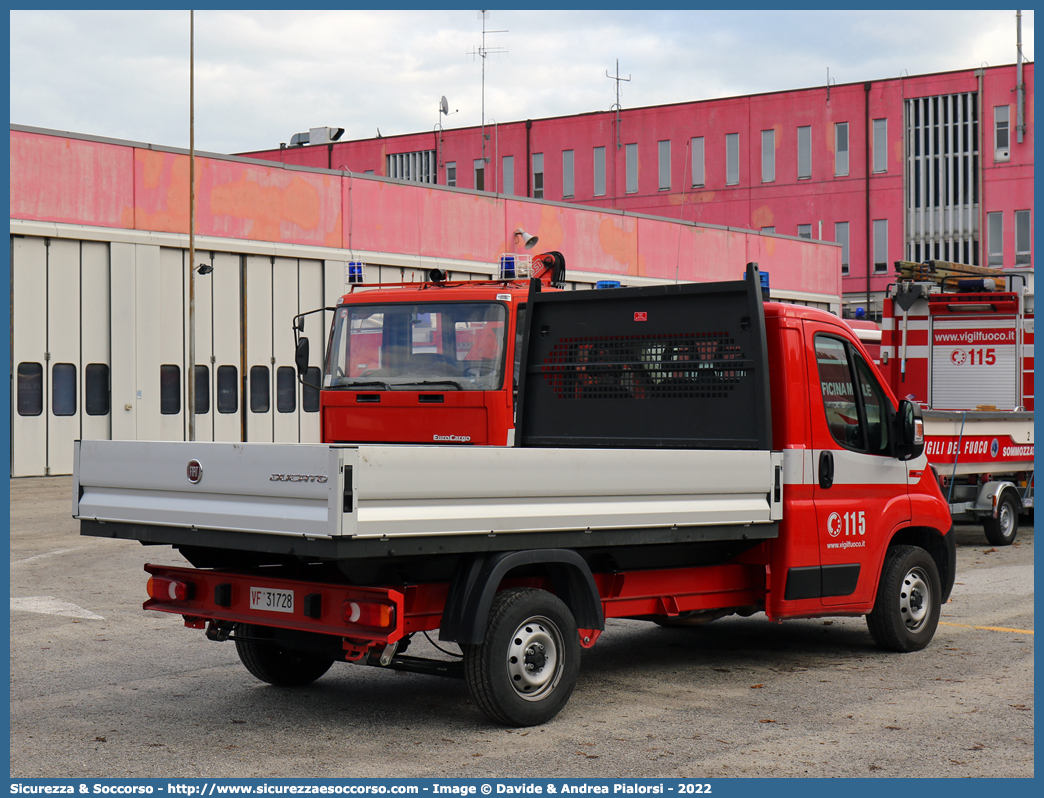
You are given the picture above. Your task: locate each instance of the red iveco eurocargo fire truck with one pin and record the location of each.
(681, 453)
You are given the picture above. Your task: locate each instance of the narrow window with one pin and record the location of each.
(30, 389)
(451, 173)
(599, 171)
(170, 390)
(697, 162)
(286, 389)
(63, 389)
(805, 231)
(1001, 136)
(538, 175)
(732, 169)
(804, 138)
(768, 156)
(995, 238)
(768, 231)
(567, 174)
(310, 395)
(227, 389)
(880, 145)
(665, 165)
(631, 161)
(202, 390)
(96, 389)
(841, 149)
(841, 237)
(508, 171)
(880, 246)
(260, 399)
(480, 174)
(1022, 237)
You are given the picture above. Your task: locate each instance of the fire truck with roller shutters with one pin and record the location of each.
(958, 340)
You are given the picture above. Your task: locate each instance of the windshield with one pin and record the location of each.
(432, 346)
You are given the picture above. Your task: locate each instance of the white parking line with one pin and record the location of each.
(49, 605)
(42, 556)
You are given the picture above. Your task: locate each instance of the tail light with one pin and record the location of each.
(163, 589)
(368, 613)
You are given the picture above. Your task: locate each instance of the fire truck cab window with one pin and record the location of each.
(455, 346)
(839, 398)
(858, 420)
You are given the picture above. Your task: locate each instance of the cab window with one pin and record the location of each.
(857, 409)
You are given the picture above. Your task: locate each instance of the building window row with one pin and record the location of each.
(995, 238)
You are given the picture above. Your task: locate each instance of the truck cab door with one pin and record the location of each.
(859, 486)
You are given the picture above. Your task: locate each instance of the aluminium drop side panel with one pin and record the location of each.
(669, 366)
(226, 321)
(258, 318)
(123, 340)
(28, 345)
(285, 280)
(239, 490)
(94, 334)
(405, 491)
(63, 405)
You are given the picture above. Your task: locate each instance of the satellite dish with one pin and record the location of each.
(443, 105)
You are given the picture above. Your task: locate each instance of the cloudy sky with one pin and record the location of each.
(261, 76)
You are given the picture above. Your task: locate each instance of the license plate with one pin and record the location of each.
(269, 600)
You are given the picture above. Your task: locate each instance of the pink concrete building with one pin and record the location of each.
(915, 167)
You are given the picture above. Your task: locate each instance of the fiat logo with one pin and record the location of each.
(194, 472)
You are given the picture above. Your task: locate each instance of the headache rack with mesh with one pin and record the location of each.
(670, 366)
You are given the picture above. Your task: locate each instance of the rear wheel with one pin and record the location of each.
(1001, 531)
(909, 596)
(275, 664)
(525, 669)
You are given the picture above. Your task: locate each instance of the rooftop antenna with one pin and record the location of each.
(482, 52)
(616, 105)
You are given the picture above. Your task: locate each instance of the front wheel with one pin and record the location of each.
(275, 664)
(1001, 531)
(906, 612)
(525, 669)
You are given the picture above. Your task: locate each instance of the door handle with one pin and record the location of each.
(826, 469)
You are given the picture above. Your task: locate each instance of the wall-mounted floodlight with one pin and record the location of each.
(204, 268)
(528, 240)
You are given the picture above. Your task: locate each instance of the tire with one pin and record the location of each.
(906, 612)
(1001, 531)
(277, 665)
(525, 669)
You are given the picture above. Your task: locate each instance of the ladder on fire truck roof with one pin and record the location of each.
(940, 272)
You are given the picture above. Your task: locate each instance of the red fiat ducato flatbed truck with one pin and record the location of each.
(681, 453)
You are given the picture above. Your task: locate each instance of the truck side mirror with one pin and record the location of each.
(909, 433)
(301, 357)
